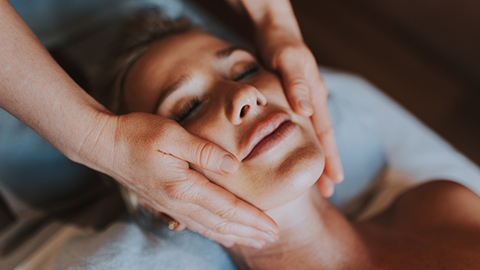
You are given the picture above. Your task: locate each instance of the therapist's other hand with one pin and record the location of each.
(152, 156)
(283, 50)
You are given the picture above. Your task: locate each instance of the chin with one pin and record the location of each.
(293, 177)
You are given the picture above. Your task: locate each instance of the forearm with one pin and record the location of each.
(35, 89)
(271, 14)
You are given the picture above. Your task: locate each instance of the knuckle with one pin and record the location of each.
(165, 133)
(177, 191)
(161, 132)
(327, 131)
(160, 204)
(182, 175)
(299, 84)
(256, 220)
(207, 233)
(204, 153)
(286, 54)
(229, 211)
(291, 49)
(222, 227)
(294, 51)
(169, 206)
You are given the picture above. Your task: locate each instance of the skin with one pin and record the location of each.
(228, 113)
(151, 154)
(282, 49)
(435, 225)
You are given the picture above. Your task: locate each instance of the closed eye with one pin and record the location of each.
(247, 71)
(187, 110)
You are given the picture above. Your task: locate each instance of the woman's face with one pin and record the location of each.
(220, 93)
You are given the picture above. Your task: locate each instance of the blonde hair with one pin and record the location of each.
(136, 36)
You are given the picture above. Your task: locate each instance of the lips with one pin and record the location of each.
(267, 134)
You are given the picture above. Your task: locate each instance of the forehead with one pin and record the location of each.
(184, 50)
(167, 60)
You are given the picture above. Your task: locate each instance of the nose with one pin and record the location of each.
(245, 101)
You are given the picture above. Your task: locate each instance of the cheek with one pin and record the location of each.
(235, 183)
(271, 86)
(214, 129)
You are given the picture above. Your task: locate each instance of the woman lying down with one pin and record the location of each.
(221, 93)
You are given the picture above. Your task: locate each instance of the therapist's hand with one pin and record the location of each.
(150, 158)
(146, 153)
(307, 94)
(282, 49)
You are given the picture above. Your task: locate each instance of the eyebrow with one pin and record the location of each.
(169, 90)
(226, 52)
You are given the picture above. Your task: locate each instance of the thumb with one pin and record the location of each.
(200, 152)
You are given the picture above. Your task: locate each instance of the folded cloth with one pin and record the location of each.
(124, 246)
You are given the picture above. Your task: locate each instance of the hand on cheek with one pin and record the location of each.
(307, 95)
(157, 170)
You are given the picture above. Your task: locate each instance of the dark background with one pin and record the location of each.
(425, 54)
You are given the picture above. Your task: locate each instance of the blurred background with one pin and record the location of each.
(424, 53)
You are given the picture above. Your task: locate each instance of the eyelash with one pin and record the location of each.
(192, 105)
(248, 70)
(188, 109)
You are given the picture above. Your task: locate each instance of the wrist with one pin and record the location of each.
(96, 148)
(272, 16)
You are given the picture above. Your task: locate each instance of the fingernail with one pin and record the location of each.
(270, 239)
(256, 244)
(228, 164)
(306, 105)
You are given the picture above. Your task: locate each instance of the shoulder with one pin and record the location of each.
(434, 225)
(440, 203)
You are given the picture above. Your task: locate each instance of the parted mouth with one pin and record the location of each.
(263, 133)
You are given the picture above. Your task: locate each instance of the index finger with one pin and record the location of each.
(226, 205)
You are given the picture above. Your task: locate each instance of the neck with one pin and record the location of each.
(313, 235)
